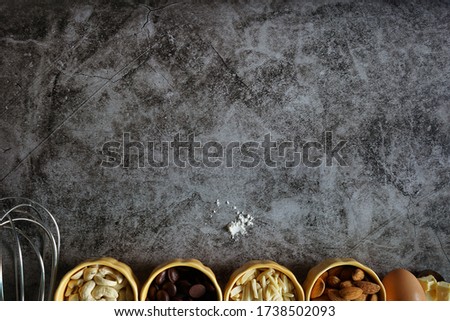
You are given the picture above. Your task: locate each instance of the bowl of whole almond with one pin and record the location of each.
(343, 279)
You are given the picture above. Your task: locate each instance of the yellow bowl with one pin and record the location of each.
(263, 264)
(121, 267)
(192, 263)
(315, 272)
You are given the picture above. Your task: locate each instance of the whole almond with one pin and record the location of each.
(346, 273)
(368, 287)
(335, 271)
(358, 275)
(346, 284)
(318, 288)
(333, 294)
(350, 293)
(362, 297)
(333, 281)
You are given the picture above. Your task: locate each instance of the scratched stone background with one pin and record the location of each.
(376, 74)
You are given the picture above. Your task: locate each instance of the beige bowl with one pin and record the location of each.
(192, 263)
(259, 264)
(315, 272)
(112, 263)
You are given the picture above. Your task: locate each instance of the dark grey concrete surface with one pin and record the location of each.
(374, 74)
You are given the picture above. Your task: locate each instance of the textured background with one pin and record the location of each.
(376, 74)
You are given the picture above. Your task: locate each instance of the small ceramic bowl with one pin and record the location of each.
(315, 272)
(262, 265)
(184, 266)
(122, 268)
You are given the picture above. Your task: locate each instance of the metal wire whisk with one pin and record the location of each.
(29, 226)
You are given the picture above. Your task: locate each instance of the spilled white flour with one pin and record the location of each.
(240, 224)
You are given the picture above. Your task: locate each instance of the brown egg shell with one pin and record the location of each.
(402, 285)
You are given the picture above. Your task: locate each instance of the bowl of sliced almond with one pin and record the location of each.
(343, 279)
(259, 280)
